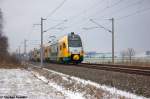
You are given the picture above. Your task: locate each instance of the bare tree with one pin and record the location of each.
(3, 41)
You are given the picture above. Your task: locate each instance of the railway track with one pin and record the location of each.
(139, 70)
(119, 68)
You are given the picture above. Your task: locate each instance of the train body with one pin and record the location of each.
(68, 49)
(34, 55)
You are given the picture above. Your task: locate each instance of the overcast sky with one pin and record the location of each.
(132, 22)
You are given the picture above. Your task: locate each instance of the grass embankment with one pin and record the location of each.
(10, 62)
(133, 83)
(10, 65)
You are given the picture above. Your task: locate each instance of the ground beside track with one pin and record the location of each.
(22, 84)
(137, 84)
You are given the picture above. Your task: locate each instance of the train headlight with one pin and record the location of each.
(76, 57)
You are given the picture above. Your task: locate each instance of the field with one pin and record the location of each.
(134, 61)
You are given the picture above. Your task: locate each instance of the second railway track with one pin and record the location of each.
(119, 68)
(139, 70)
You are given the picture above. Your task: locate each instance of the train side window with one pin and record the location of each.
(64, 45)
(46, 51)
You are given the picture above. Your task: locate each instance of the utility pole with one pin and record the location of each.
(113, 52)
(41, 46)
(25, 46)
(19, 53)
(112, 32)
(41, 56)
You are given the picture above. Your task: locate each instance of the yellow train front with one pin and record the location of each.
(67, 49)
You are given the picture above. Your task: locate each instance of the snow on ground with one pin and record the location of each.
(15, 83)
(60, 84)
(34, 84)
(69, 94)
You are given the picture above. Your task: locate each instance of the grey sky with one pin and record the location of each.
(130, 32)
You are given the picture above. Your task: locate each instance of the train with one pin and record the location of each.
(67, 49)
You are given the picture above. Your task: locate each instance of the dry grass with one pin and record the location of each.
(72, 85)
(89, 91)
(11, 66)
(134, 61)
(10, 62)
(137, 84)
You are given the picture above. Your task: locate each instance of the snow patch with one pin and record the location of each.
(111, 90)
(75, 95)
(18, 82)
(69, 94)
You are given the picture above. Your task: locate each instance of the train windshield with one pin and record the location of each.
(74, 41)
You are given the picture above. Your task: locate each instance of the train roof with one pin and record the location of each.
(72, 33)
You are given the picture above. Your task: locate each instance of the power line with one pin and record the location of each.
(100, 25)
(128, 6)
(54, 27)
(85, 10)
(111, 6)
(42, 19)
(76, 16)
(89, 28)
(133, 14)
(31, 31)
(58, 7)
(108, 7)
(112, 32)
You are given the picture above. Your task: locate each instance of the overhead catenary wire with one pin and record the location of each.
(89, 28)
(109, 7)
(81, 13)
(54, 11)
(100, 25)
(105, 8)
(125, 7)
(117, 3)
(76, 16)
(85, 10)
(58, 7)
(128, 6)
(31, 31)
(88, 12)
(54, 27)
(133, 14)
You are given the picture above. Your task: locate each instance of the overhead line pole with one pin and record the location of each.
(19, 53)
(112, 31)
(41, 56)
(25, 45)
(113, 52)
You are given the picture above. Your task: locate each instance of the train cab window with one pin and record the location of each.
(64, 45)
(74, 41)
